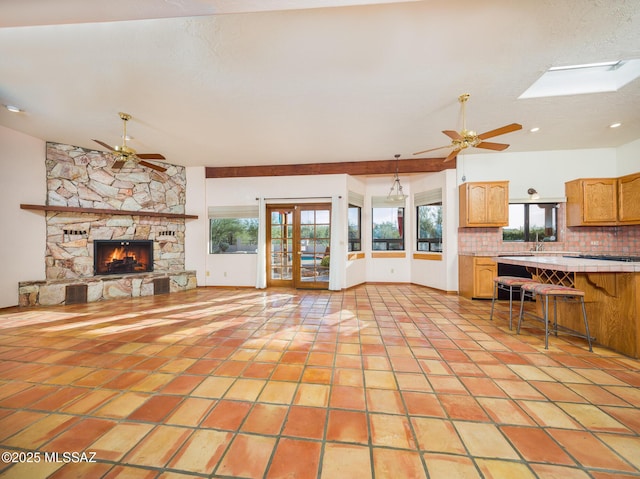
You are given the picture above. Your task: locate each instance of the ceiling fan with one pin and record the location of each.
(124, 153)
(469, 138)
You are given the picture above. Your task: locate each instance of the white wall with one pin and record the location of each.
(629, 158)
(546, 171)
(196, 231)
(22, 180)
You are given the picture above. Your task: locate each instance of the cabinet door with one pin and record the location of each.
(497, 204)
(629, 199)
(485, 269)
(476, 204)
(600, 201)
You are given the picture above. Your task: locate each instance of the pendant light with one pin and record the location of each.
(396, 194)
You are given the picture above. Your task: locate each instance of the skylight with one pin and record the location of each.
(585, 78)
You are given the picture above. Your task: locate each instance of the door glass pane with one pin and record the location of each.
(281, 245)
(307, 217)
(323, 217)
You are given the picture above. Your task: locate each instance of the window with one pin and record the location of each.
(430, 227)
(429, 220)
(388, 228)
(233, 230)
(532, 222)
(355, 233)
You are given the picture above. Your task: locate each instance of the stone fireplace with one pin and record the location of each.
(137, 212)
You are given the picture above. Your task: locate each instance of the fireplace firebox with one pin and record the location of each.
(122, 256)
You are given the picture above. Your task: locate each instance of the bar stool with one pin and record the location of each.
(546, 291)
(511, 284)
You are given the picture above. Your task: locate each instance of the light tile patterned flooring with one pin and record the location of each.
(384, 381)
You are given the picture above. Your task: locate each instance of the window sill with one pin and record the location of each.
(428, 256)
(389, 254)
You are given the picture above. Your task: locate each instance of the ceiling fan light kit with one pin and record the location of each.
(466, 138)
(124, 153)
(395, 193)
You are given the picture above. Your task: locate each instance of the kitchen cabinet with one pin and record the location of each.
(603, 201)
(629, 199)
(475, 276)
(484, 204)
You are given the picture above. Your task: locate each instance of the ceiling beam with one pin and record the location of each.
(380, 167)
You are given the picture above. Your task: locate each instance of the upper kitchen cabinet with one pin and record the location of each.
(603, 201)
(629, 199)
(484, 204)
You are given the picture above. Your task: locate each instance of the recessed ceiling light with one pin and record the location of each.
(534, 129)
(615, 125)
(13, 109)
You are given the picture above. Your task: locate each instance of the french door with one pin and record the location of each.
(298, 239)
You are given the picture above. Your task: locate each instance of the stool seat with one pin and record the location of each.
(555, 292)
(511, 284)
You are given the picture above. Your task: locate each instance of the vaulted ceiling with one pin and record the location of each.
(257, 82)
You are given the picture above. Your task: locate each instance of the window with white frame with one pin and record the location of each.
(429, 220)
(233, 229)
(387, 220)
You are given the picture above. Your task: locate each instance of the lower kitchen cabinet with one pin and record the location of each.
(475, 276)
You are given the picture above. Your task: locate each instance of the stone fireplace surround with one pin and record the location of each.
(82, 189)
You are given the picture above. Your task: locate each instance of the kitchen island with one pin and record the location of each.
(612, 296)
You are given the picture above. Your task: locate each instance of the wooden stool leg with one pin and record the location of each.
(546, 321)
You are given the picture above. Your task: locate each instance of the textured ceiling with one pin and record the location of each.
(217, 83)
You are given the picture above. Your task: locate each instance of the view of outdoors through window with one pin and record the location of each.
(388, 228)
(532, 222)
(233, 235)
(355, 232)
(429, 227)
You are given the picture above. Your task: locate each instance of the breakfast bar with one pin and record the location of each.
(612, 295)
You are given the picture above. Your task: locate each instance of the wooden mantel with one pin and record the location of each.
(98, 211)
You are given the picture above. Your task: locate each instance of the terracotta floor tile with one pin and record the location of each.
(60, 398)
(158, 446)
(183, 385)
(190, 412)
(504, 469)
(83, 469)
(97, 377)
(346, 361)
(626, 446)
(287, 372)
(315, 395)
(548, 415)
(557, 392)
(247, 456)
(519, 389)
(536, 445)
(317, 375)
(213, 387)
(266, 419)
(346, 397)
(392, 464)
(589, 451)
(413, 382)
(598, 395)
(383, 400)
(307, 422)
(296, 459)
(278, 392)
(447, 384)
(442, 466)
(80, 435)
(258, 370)
(28, 396)
(122, 405)
(128, 472)
(201, 451)
(203, 366)
(41, 431)
(593, 418)
(125, 380)
(18, 420)
(347, 426)
(545, 471)
(465, 408)
(505, 411)
(156, 408)
(629, 417)
(119, 440)
(391, 430)
(484, 440)
(349, 377)
(437, 435)
(227, 415)
(380, 379)
(153, 382)
(423, 404)
(345, 461)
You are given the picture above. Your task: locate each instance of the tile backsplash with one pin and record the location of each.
(596, 239)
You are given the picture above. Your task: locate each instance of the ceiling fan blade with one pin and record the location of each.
(454, 135)
(150, 156)
(492, 146)
(500, 131)
(452, 155)
(152, 166)
(108, 147)
(117, 165)
(432, 149)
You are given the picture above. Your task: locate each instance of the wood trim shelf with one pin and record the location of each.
(98, 211)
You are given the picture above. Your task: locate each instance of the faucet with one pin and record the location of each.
(539, 245)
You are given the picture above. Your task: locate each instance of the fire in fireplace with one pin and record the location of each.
(123, 256)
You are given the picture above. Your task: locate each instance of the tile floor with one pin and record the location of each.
(384, 381)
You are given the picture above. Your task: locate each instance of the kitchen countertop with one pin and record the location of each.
(519, 253)
(575, 265)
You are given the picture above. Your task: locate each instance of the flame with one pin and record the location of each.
(121, 253)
